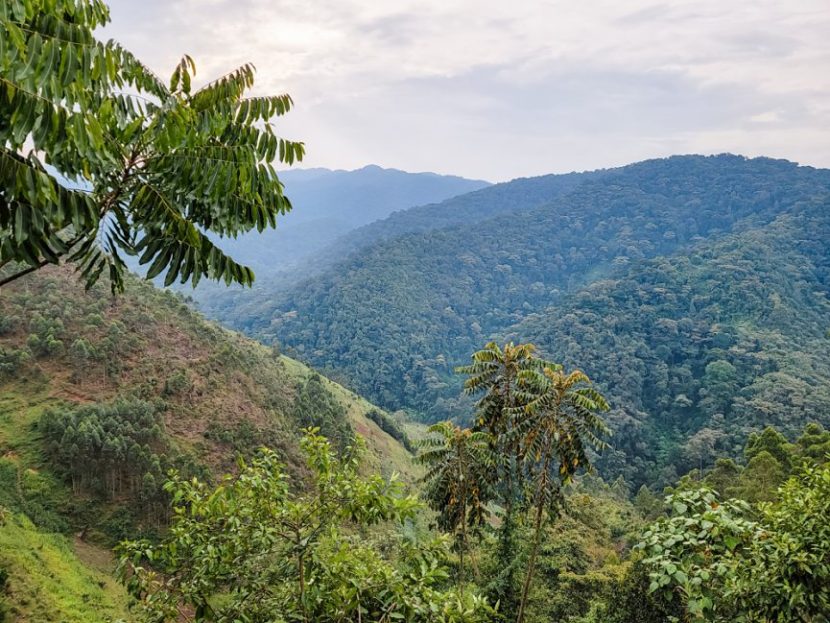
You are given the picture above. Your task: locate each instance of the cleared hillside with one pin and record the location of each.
(99, 396)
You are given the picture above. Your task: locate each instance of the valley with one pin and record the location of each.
(244, 379)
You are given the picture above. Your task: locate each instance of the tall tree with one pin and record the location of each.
(99, 158)
(458, 480)
(494, 374)
(558, 428)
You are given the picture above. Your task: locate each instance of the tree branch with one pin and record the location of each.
(38, 266)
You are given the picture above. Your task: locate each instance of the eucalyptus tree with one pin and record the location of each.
(560, 426)
(99, 158)
(458, 479)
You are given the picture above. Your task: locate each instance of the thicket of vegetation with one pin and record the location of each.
(256, 550)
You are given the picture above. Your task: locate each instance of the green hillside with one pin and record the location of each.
(237, 307)
(100, 395)
(48, 577)
(701, 348)
(396, 317)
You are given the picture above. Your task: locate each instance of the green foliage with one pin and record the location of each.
(785, 575)
(630, 601)
(559, 426)
(814, 443)
(34, 494)
(691, 554)
(769, 460)
(718, 563)
(44, 339)
(112, 450)
(772, 442)
(45, 581)
(177, 383)
(135, 166)
(458, 480)
(389, 426)
(254, 549)
(12, 359)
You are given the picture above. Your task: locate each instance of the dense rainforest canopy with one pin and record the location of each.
(694, 290)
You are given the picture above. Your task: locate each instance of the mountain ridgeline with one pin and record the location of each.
(328, 204)
(693, 289)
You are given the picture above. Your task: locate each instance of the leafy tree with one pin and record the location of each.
(631, 602)
(647, 503)
(458, 479)
(496, 373)
(720, 564)
(724, 477)
(785, 575)
(254, 549)
(689, 553)
(559, 428)
(761, 478)
(81, 352)
(718, 386)
(100, 158)
(772, 441)
(814, 443)
(316, 407)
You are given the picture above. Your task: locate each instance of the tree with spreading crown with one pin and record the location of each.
(100, 159)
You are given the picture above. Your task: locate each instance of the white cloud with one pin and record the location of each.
(496, 90)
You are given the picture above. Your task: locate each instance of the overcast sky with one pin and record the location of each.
(500, 89)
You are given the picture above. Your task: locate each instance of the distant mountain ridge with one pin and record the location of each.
(410, 302)
(329, 203)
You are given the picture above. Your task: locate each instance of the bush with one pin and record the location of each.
(11, 360)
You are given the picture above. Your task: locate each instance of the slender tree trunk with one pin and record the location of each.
(531, 566)
(301, 569)
(463, 524)
(537, 533)
(461, 555)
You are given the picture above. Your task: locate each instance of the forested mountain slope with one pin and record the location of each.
(699, 348)
(327, 206)
(396, 317)
(505, 198)
(101, 395)
(229, 304)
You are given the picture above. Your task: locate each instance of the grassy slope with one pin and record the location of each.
(144, 341)
(50, 581)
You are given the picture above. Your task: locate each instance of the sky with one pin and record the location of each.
(496, 89)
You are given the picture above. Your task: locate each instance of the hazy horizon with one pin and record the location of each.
(492, 91)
